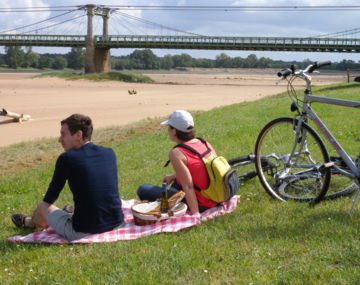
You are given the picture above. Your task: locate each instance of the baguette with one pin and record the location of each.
(173, 201)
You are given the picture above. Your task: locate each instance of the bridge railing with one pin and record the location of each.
(235, 40)
(231, 43)
(42, 40)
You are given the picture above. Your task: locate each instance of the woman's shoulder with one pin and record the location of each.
(200, 145)
(199, 142)
(176, 154)
(175, 151)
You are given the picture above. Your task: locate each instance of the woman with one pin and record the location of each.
(190, 172)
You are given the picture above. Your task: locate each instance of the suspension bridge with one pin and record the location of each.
(187, 42)
(98, 46)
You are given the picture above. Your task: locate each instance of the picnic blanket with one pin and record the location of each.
(131, 231)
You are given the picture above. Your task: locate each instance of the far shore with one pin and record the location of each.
(108, 103)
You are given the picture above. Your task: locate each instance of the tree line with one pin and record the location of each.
(19, 57)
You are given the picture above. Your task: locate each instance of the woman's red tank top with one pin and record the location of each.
(197, 170)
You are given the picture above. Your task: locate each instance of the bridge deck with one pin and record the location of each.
(188, 42)
(43, 40)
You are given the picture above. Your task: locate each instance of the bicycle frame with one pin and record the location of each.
(308, 98)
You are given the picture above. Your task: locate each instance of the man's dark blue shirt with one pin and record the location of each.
(91, 172)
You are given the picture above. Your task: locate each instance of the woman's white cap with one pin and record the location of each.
(180, 120)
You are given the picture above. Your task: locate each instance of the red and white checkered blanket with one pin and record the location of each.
(130, 230)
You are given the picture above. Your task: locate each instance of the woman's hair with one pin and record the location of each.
(183, 136)
(78, 122)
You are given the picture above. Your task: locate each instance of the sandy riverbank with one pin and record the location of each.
(49, 100)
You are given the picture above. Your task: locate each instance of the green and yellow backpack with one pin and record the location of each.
(223, 180)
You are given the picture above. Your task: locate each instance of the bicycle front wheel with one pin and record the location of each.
(295, 161)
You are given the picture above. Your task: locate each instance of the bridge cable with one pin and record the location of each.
(36, 9)
(342, 33)
(233, 8)
(122, 24)
(156, 24)
(76, 27)
(32, 11)
(126, 24)
(18, 28)
(56, 24)
(196, 8)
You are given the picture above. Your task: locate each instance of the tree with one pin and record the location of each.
(203, 62)
(45, 62)
(251, 61)
(31, 59)
(166, 62)
(76, 58)
(182, 60)
(2, 59)
(59, 62)
(144, 59)
(264, 62)
(121, 63)
(116, 63)
(14, 56)
(223, 60)
(238, 62)
(150, 59)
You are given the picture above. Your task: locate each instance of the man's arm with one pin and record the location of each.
(58, 181)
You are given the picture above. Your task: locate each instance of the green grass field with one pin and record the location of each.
(262, 242)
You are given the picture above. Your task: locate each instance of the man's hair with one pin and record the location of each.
(78, 122)
(184, 136)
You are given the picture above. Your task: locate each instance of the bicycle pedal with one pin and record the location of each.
(325, 166)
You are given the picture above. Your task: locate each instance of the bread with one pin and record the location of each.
(173, 201)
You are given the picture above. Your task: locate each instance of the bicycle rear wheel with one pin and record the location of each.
(295, 167)
(340, 185)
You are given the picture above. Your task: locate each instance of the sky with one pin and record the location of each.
(223, 22)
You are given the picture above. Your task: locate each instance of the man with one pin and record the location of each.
(91, 173)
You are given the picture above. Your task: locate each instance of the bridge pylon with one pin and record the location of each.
(97, 60)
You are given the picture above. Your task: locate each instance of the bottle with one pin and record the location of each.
(164, 205)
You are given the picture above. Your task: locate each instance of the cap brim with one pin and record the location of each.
(165, 122)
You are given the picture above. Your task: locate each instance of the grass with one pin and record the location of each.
(114, 76)
(262, 242)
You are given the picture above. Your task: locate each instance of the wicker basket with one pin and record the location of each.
(143, 218)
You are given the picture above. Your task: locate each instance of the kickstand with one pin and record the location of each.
(355, 201)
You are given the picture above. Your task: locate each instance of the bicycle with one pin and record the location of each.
(245, 166)
(299, 166)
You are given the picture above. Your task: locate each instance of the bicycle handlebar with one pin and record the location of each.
(317, 65)
(284, 72)
(309, 69)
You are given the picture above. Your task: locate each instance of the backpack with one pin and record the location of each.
(223, 180)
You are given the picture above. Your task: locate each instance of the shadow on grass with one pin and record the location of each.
(6, 246)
